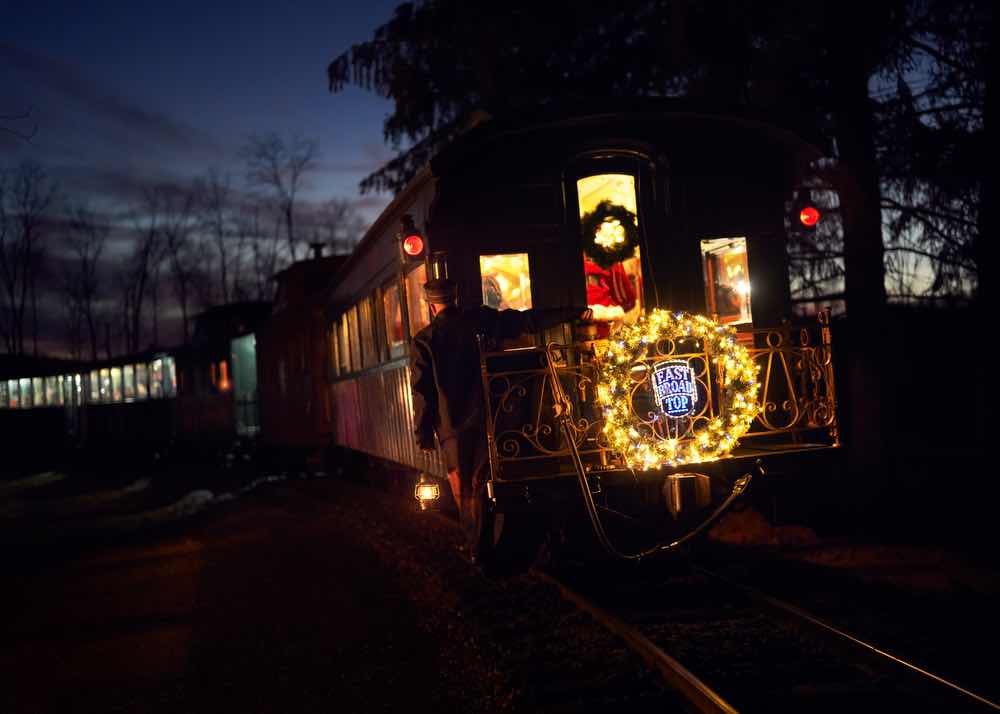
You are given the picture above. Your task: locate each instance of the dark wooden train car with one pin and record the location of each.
(503, 211)
(34, 429)
(216, 371)
(294, 363)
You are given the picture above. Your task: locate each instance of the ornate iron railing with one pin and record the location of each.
(796, 399)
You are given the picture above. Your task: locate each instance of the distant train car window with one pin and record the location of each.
(727, 279)
(4, 395)
(506, 281)
(169, 377)
(105, 384)
(611, 256)
(416, 305)
(366, 326)
(128, 382)
(26, 400)
(13, 394)
(352, 323)
(53, 391)
(116, 384)
(395, 336)
(156, 378)
(141, 381)
(344, 343)
(38, 384)
(95, 386)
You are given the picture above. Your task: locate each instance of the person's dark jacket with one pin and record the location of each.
(445, 378)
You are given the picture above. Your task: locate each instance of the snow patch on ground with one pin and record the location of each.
(9, 488)
(187, 506)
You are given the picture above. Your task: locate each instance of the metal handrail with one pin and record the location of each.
(563, 412)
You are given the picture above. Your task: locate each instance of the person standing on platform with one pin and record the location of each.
(447, 390)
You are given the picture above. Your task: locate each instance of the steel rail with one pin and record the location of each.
(702, 697)
(827, 628)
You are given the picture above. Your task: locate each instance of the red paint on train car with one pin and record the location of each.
(293, 360)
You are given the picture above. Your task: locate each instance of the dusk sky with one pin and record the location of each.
(128, 92)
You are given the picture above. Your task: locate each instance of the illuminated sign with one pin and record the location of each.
(675, 388)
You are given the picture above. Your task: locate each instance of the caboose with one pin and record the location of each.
(656, 208)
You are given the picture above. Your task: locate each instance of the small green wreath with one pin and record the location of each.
(610, 234)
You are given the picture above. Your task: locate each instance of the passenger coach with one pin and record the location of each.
(658, 211)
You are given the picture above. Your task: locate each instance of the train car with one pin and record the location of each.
(200, 396)
(294, 365)
(217, 376)
(654, 210)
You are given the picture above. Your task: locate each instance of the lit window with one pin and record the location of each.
(611, 254)
(4, 394)
(26, 400)
(141, 381)
(416, 305)
(116, 384)
(156, 379)
(367, 330)
(169, 376)
(39, 391)
(95, 386)
(344, 352)
(352, 322)
(53, 391)
(13, 394)
(727, 279)
(128, 382)
(506, 281)
(395, 337)
(223, 384)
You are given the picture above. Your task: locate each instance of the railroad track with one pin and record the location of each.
(727, 647)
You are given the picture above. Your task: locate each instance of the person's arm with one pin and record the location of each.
(513, 323)
(424, 393)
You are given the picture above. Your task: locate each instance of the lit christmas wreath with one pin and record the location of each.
(610, 234)
(634, 439)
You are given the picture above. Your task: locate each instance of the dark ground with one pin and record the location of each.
(302, 595)
(295, 595)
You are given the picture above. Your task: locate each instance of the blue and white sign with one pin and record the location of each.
(675, 388)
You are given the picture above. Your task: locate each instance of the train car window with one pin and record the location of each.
(366, 325)
(26, 400)
(333, 356)
(53, 391)
(169, 377)
(506, 281)
(38, 384)
(156, 379)
(105, 385)
(352, 323)
(116, 384)
(395, 336)
(4, 394)
(727, 279)
(95, 386)
(344, 343)
(70, 396)
(141, 381)
(416, 305)
(611, 257)
(128, 382)
(13, 394)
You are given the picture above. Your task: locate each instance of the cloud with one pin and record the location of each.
(65, 80)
